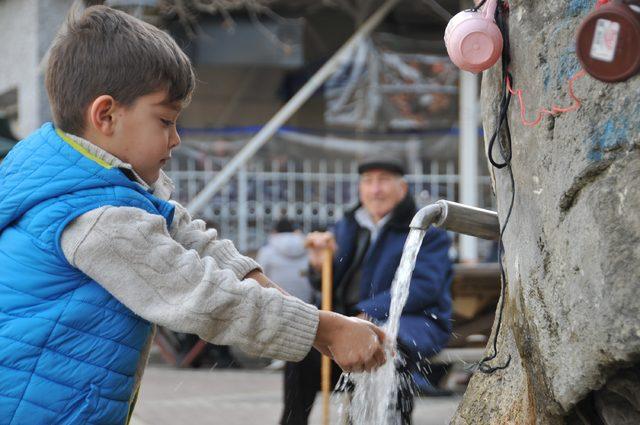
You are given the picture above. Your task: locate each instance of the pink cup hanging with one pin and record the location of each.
(473, 40)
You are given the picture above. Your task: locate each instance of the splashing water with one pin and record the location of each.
(375, 396)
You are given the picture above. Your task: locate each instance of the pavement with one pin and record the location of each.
(170, 396)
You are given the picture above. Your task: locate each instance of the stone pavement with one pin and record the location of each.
(237, 397)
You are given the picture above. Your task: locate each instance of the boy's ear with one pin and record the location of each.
(102, 114)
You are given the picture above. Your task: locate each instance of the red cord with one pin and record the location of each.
(555, 110)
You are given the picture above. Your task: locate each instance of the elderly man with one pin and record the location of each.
(368, 243)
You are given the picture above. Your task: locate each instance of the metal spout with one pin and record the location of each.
(426, 216)
(458, 218)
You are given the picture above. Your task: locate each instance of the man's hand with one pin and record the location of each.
(354, 344)
(316, 243)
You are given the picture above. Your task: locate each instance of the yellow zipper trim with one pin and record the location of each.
(82, 150)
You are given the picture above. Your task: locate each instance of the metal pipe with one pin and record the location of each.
(281, 117)
(427, 216)
(458, 218)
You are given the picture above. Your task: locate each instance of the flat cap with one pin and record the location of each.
(381, 161)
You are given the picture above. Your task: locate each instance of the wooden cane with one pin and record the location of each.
(327, 297)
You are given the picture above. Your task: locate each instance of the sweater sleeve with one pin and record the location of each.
(132, 255)
(193, 234)
(262, 257)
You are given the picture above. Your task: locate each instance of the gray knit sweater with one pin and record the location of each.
(184, 277)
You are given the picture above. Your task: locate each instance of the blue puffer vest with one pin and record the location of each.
(68, 349)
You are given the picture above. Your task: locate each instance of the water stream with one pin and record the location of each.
(375, 395)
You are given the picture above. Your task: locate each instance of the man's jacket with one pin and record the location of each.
(425, 324)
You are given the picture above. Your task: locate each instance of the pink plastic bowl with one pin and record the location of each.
(473, 40)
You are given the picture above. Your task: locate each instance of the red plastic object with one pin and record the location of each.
(608, 42)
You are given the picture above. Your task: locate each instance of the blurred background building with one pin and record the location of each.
(396, 91)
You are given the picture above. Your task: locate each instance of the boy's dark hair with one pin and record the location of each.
(106, 51)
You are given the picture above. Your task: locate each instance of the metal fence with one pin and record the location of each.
(314, 194)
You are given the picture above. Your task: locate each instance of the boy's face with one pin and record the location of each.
(145, 134)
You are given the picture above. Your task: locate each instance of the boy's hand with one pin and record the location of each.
(354, 344)
(316, 243)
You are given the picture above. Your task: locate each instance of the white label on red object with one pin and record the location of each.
(605, 40)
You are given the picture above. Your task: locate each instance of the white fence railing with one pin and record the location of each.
(312, 193)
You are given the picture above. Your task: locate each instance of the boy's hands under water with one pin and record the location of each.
(356, 345)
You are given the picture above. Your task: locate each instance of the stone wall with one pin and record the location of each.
(572, 310)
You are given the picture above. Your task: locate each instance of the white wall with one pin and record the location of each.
(18, 50)
(27, 28)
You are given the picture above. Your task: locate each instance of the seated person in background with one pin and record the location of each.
(93, 253)
(370, 239)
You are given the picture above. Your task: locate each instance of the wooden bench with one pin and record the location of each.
(475, 291)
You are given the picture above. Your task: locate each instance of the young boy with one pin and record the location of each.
(92, 253)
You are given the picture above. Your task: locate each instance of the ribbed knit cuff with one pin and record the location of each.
(297, 331)
(228, 257)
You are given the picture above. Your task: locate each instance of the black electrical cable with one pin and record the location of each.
(483, 366)
(475, 9)
(501, 22)
(506, 152)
